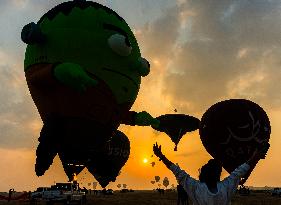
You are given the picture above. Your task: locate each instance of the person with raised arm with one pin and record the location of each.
(209, 190)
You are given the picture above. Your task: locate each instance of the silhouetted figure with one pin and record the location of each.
(29, 195)
(209, 190)
(85, 190)
(182, 196)
(10, 194)
(103, 191)
(160, 191)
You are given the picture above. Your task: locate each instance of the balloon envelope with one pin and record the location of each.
(166, 182)
(108, 164)
(176, 125)
(232, 129)
(95, 185)
(157, 178)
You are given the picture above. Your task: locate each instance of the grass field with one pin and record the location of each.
(154, 198)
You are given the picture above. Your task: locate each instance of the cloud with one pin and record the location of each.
(232, 50)
(157, 40)
(159, 37)
(19, 120)
(190, 153)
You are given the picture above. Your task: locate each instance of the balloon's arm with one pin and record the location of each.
(74, 76)
(145, 119)
(128, 118)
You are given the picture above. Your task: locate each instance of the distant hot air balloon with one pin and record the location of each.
(152, 164)
(157, 178)
(152, 182)
(166, 182)
(119, 186)
(231, 130)
(176, 125)
(95, 185)
(124, 186)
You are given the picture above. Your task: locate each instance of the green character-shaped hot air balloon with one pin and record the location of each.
(83, 68)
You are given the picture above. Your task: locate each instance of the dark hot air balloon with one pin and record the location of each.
(157, 178)
(176, 125)
(107, 164)
(231, 130)
(83, 75)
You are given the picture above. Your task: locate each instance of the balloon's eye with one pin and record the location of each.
(144, 69)
(120, 44)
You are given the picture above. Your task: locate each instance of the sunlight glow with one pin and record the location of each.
(145, 160)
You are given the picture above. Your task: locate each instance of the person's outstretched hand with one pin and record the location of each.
(259, 153)
(157, 150)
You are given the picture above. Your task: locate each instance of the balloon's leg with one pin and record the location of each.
(47, 148)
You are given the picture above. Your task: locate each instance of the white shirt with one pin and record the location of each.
(199, 192)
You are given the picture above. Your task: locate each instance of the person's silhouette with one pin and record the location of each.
(209, 190)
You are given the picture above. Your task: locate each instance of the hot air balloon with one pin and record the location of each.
(176, 125)
(152, 164)
(157, 178)
(84, 76)
(166, 182)
(152, 182)
(231, 130)
(95, 185)
(124, 186)
(119, 186)
(108, 164)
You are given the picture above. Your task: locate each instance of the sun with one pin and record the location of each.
(145, 160)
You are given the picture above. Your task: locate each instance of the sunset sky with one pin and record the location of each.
(200, 51)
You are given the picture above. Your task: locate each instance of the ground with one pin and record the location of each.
(154, 198)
